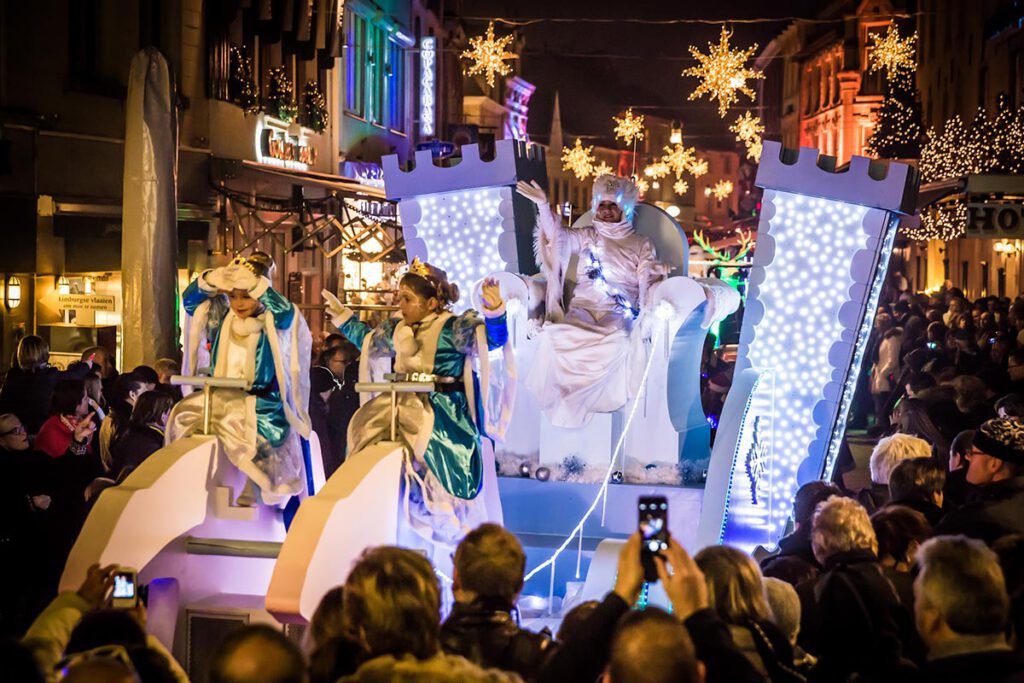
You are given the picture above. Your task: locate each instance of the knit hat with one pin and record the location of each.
(1001, 438)
(622, 191)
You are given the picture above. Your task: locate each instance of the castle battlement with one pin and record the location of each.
(867, 182)
(513, 160)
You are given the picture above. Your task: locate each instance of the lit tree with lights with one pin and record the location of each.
(897, 133)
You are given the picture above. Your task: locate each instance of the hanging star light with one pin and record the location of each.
(629, 128)
(657, 170)
(680, 159)
(579, 159)
(699, 168)
(893, 54)
(723, 72)
(641, 185)
(489, 55)
(680, 187)
(754, 149)
(721, 189)
(603, 169)
(747, 127)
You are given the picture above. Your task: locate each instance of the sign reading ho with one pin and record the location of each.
(86, 302)
(995, 221)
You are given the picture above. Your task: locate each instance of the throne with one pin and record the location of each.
(669, 426)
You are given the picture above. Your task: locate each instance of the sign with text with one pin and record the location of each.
(87, 302)
(281, 144)
(995, 221)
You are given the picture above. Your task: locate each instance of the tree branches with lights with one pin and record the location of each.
(986, 145)
(723, 72)
(897, 131)
(488, 55)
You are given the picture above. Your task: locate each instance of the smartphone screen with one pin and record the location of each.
(124, 585)
(124, 595)
(652, 512)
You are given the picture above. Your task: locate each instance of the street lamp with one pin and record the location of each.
(12, 295)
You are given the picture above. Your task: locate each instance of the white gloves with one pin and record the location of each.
(337, 311)
(532, 191)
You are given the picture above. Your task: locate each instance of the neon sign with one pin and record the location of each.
(428, 76)
(276, 144)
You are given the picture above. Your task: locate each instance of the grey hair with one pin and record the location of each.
(841, 525)
(961, 578)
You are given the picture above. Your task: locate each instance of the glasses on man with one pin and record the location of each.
(20, 429)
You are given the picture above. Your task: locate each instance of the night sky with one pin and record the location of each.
(599, 69)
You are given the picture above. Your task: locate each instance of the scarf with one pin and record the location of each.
(613, 231)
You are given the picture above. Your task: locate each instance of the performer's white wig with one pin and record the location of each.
(622, 191)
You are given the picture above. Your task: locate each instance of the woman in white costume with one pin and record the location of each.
(588, 360)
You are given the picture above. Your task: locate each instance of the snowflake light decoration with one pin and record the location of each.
(680, 187)
(721, 189)
(893, 54)
(754, 149)
(679, 158)
(659, 169)
(603, 169)
(629, 128)
(699, 168)
(747, 127)
(579, 159)
(723, 72)
(489, 55)
(641, 185)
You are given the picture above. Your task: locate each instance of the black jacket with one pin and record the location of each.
(855, 622)
(994, 510)
(581, 658)
(27, 394)
(980, 667)
(485, 634)
(133, 447)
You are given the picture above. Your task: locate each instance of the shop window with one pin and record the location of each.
(375, 71)
(1001, 274)
(985, 272)
(965, 271)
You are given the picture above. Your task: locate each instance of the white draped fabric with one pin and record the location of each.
(587, 360)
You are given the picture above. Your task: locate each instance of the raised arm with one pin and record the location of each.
(198, 291)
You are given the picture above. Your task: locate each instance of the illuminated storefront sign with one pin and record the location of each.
(278, 144)
(428, 76)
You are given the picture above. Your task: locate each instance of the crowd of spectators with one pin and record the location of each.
(917, 575)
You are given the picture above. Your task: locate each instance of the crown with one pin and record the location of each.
(417, 267)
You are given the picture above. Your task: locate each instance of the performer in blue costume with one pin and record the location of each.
(239, 327)
(442, 428)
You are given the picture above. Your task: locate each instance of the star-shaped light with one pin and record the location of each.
(747, 127)
(723, 72)
(680, 187)
(699, 168)
(721, 189)
(679, 158)
(603, 169)
(489, 55)
(629, 128)
(893, 54)
(659, 169)
(754, 149)
(579, 159)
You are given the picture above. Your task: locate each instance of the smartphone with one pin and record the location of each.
(126, 594)
(652, 513)
(933, 345)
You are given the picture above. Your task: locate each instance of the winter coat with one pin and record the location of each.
(27, 394)
(993, 510)
(441, 668)
(486, 635)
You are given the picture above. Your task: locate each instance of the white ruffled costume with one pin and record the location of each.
(588, 360)
(259, 429)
